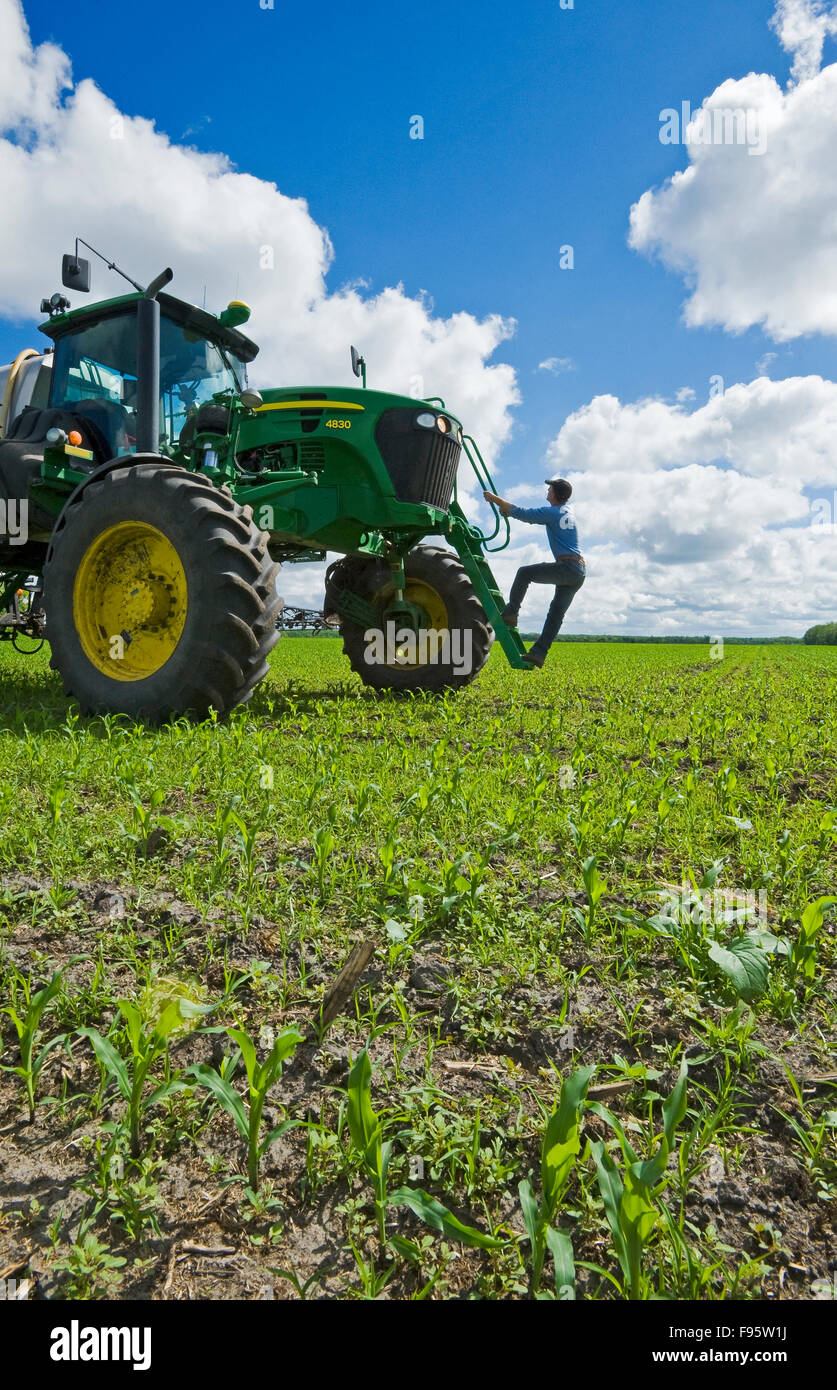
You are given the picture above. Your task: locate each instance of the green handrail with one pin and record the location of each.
(487, 485)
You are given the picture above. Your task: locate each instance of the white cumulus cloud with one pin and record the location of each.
(556, 365)
(752, 223)
(152, 202)
(802, 27)
(701, 519)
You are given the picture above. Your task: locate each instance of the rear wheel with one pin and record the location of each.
(160, 595)
(437, 584)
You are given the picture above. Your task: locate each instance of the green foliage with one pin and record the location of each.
(27, 1028)
(631, 1196)
(595, 888)
(145, 1045)
(803, 955)
(744, 963)
(261, 1076)
(431, 1211)
(559, 1148)
(822, 635)
(366, 1130)
(455, 831)
(91, 1268)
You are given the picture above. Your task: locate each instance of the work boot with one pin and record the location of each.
(510, 616)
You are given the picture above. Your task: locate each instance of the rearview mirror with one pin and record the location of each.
(359, 365)
(75, 274)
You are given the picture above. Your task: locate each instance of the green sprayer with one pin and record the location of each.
(148, 498)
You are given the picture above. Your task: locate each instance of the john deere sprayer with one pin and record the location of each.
(148, 499)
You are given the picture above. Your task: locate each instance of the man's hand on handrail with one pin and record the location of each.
(498, 501)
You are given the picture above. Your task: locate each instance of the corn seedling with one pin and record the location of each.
(294, 1279)
(145, 820)
(145, 1046)
(563, 1260)
(631, 1197)
(434, 1214)
(559, 1148)
(324, 843)
(260, 1078)
(27, 1029)
(595, 887)
(827, 829)
(372, 1282)
(366, 1130)
(803, 956)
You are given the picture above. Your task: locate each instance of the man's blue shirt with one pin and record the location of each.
(560, 526)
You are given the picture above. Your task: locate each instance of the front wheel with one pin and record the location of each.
(160, 595)
(453, 639)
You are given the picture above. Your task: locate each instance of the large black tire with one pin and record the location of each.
(425, 567)
(227, 610)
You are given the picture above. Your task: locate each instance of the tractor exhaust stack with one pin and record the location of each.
(148, 366)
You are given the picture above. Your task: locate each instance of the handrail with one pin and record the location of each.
(487, 484)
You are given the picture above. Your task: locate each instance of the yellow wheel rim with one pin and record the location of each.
(129, 601)
(435, 608)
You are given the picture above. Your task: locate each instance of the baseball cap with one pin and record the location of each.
(561, 484)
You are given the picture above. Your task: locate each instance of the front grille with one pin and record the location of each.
(441, 471)
(422, 463)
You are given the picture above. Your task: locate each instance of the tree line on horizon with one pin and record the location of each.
(823, 635)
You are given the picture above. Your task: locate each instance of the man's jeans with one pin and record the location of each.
(567, 576)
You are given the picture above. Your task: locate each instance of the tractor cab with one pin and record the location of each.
(124, 376)
(95, 370)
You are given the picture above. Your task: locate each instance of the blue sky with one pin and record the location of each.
(541, 128)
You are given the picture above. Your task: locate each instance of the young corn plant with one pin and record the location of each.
(631, 1197)
(146, 820)
(246, 837)
(563, 1261)
(145, 1045)
(226, 821)
(260, 1078)
(827, 829)
(582, 827)
(803, 956)
(366, 1130)
(559, 1148)
(595, 887)
(324, 843)
(27, 1029)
